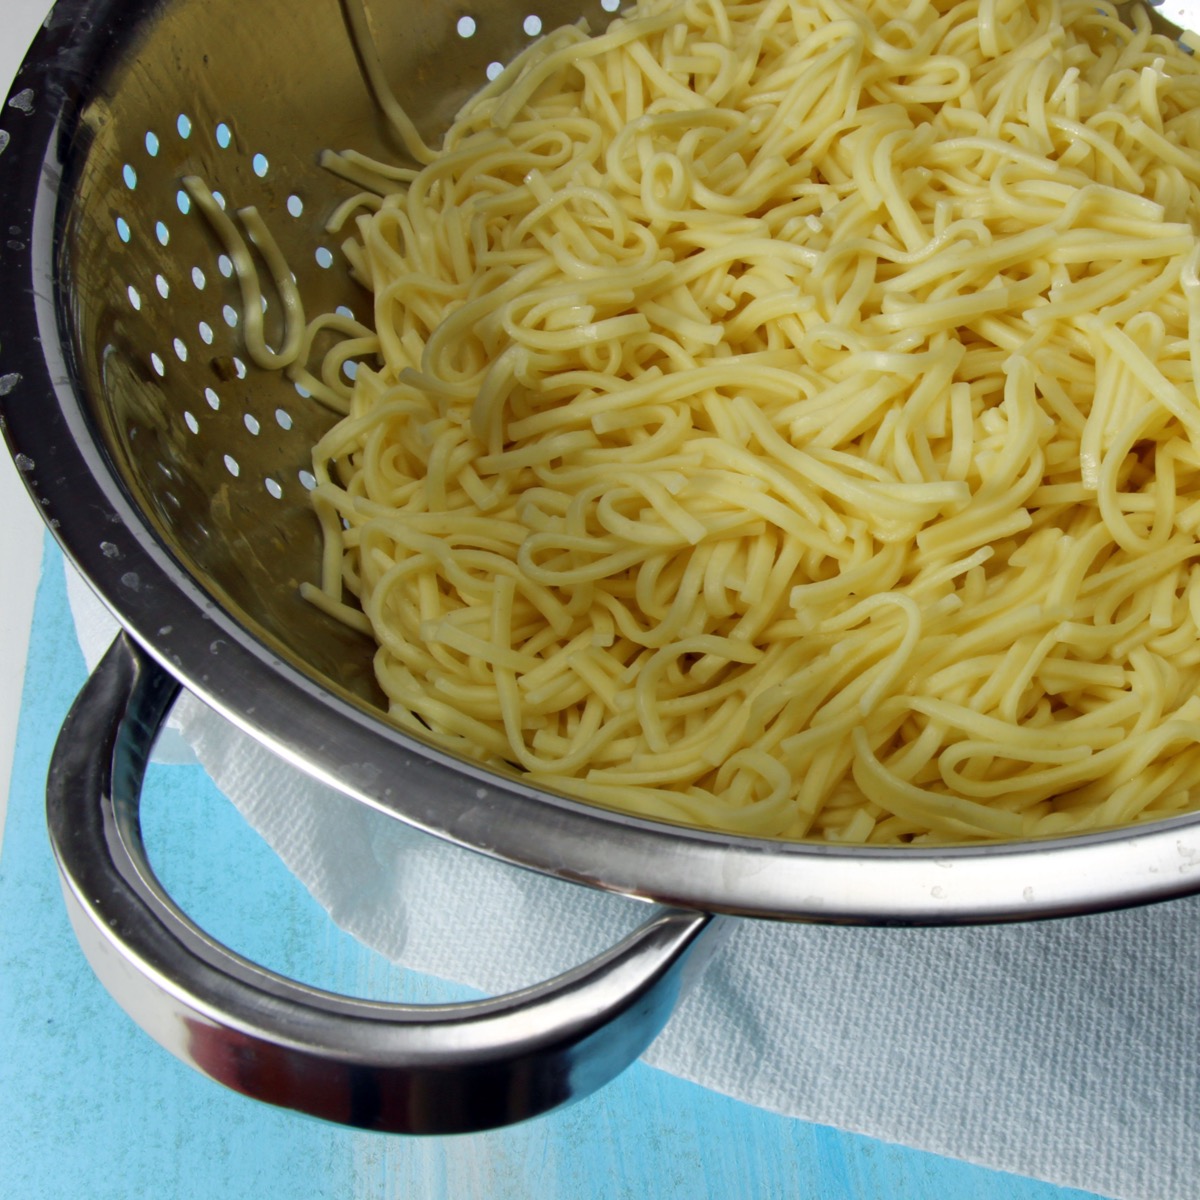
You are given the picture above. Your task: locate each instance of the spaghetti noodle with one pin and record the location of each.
(781, 417)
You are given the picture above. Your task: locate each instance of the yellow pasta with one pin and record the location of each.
(782, 417)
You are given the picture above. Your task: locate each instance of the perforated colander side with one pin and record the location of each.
(213, 448)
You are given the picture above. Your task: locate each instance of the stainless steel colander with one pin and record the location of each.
(174, 474)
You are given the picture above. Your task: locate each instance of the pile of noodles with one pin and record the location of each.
(782, 417)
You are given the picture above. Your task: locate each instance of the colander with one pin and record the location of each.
(174, 474)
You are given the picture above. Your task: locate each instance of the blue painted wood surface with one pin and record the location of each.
(92, 1108)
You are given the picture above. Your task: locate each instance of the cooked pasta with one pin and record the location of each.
(781, 417)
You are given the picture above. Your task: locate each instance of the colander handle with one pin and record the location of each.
(389, 1067)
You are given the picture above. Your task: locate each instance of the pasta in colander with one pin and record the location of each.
(782, 417)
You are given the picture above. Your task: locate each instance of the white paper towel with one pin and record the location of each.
(1064, 1050)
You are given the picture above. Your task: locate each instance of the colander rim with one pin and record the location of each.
(100, 527)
